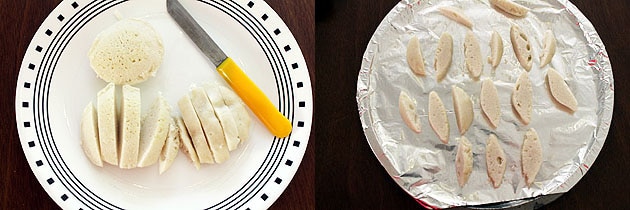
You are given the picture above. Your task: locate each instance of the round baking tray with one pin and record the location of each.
(596, 62)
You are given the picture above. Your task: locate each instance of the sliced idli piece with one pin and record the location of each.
(153, 132)
(463, 109)
(193, 126)
(522, 98)
(495, 161)
(239, 112)
(128, 52)
(510, 7)
(496, 49)
(443, 55)
(224, 115)
(490, 102)
(463, 161)
(186, 143)
(407, 109)
(472, 55)
(560, 90)
(437, 117)
(531, 156)
(414, 56)
(106, 111)
(170, 148)
(210, 124)
(89, 135)
(457, 15)
(549, 48)
(521, 46)
(130, 127)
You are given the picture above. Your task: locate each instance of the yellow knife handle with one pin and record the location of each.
(255, 99)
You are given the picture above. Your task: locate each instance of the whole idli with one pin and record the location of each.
(128, 52)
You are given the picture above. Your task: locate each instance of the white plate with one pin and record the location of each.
(56, 83)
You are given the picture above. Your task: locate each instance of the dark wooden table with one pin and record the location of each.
(348, 175)
(19, 21)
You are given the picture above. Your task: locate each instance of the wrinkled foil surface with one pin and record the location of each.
(425, 167)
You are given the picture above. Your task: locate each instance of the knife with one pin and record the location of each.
(244, 87)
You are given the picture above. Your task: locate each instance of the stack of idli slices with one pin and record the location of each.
(214, 119)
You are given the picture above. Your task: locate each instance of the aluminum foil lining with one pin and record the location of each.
(421, 164)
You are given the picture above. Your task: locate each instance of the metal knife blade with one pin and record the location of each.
(195, 32)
